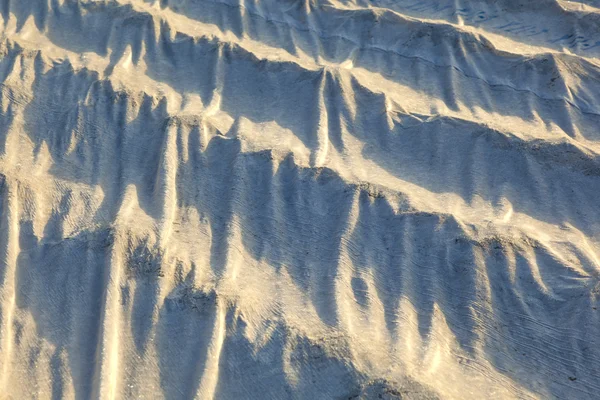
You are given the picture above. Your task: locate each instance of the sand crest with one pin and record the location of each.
(267, 199)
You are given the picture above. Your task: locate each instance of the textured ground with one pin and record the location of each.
(267, 199)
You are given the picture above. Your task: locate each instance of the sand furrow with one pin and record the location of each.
(298, 199)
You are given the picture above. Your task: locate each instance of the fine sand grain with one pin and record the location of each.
(299, 199)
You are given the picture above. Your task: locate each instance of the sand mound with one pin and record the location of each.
(336, 199)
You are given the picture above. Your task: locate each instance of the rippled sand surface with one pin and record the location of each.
(309, 199)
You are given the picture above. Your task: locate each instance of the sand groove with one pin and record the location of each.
(298, 199)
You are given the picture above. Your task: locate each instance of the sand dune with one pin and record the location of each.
(336, 199)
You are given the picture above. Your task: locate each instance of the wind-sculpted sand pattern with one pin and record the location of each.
(244, 199)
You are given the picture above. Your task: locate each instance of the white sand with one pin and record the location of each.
(272, 199)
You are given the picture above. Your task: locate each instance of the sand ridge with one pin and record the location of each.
(299, 199)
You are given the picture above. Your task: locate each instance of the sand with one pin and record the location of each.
(273, 199)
